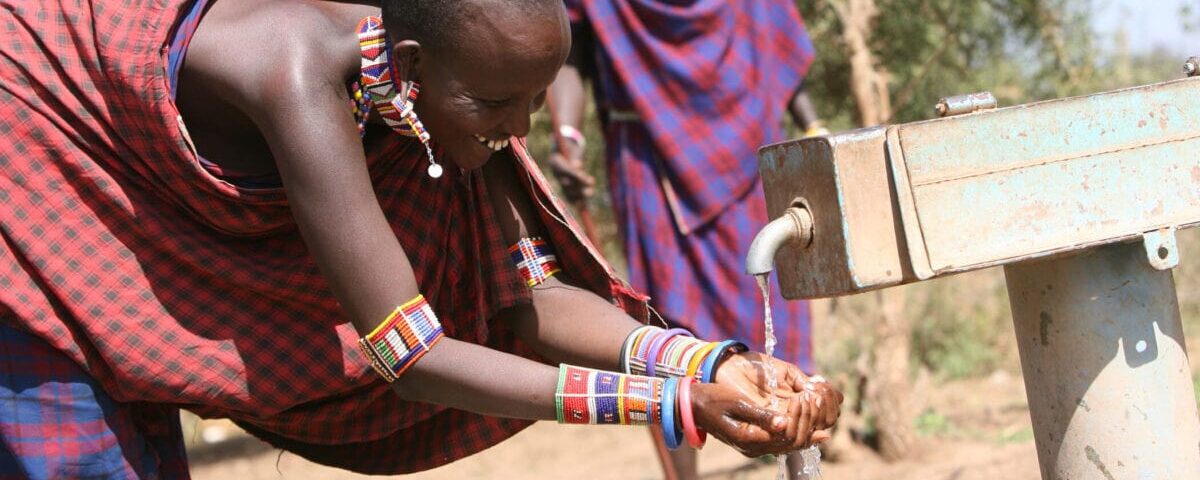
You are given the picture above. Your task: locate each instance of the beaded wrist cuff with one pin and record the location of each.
(402, 339)
(535, 259)
(586, 396)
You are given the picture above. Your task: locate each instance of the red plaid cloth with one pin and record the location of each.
(709, 78)
(169, 286)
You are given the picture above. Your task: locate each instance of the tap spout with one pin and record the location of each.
(795, 225)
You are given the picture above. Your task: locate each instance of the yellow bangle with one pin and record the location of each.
(694, 365)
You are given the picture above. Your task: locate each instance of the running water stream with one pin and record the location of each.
(811, 455)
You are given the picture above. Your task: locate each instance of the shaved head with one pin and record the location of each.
(437, 24)
(483, 66)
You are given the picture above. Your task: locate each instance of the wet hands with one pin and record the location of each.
(806, 406)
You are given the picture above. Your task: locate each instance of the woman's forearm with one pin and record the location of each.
(478, 379)
(571, 325)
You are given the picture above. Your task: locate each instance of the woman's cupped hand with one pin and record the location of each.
(743, 410)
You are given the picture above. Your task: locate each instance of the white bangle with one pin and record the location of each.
(571, 133)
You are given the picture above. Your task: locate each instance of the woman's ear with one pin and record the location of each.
(406, 56)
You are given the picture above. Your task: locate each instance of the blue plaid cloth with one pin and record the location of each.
(710, 79)
(709, 82)
(695, 280)
(56, 422)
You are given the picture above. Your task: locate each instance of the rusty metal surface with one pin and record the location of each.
(993, 188)
(987, 188)
(1105, 366)
(843, 180)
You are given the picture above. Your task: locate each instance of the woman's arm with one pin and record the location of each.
(318, 152)
(567, 102)
(565, 323)
(573, 325)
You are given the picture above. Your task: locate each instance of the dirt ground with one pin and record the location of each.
(975, 429)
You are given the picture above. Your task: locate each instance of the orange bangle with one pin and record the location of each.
(695, 436)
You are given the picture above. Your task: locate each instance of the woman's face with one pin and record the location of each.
(476, 95)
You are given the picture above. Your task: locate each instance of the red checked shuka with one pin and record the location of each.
(170, 286)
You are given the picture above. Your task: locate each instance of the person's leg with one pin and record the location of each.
(684, 460)
(665, 456)
(795, 465)
(57, 422)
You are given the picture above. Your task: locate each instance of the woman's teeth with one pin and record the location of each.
(494, 145)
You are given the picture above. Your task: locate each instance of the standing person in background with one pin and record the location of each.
(687, 92)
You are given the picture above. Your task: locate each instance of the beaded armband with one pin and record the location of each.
(586, 396)
(402, 339)
(535, 260)
(656, 352)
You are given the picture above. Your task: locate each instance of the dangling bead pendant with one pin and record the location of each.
(434, 170)
(417, 129)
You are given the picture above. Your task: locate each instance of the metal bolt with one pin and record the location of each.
(963, 104)
(1192, 67)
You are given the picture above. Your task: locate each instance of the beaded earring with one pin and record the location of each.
(404, 105)
(377, 90)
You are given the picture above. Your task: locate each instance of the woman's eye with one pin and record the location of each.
(492, 103)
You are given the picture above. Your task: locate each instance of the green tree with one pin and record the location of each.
(926, 49)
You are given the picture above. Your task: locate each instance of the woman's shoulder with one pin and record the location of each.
(259, 46)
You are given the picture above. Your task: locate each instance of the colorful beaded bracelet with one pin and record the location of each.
(656, 348)
(587, 396)
(653, 351)
(535, 259)
(402, 338)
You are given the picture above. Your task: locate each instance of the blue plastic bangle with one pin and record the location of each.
(709, 368)
(672, 434)
(657, 346)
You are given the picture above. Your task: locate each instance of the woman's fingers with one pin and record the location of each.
(795, 409)
(754, 430)
(765, 419)
(807, 417)
(743, 419)
(828, 399)
(831, 403)
(728, 416)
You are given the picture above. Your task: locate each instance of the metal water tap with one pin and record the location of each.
(795, 225)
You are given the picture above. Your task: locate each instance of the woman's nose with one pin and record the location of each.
(519, 119)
